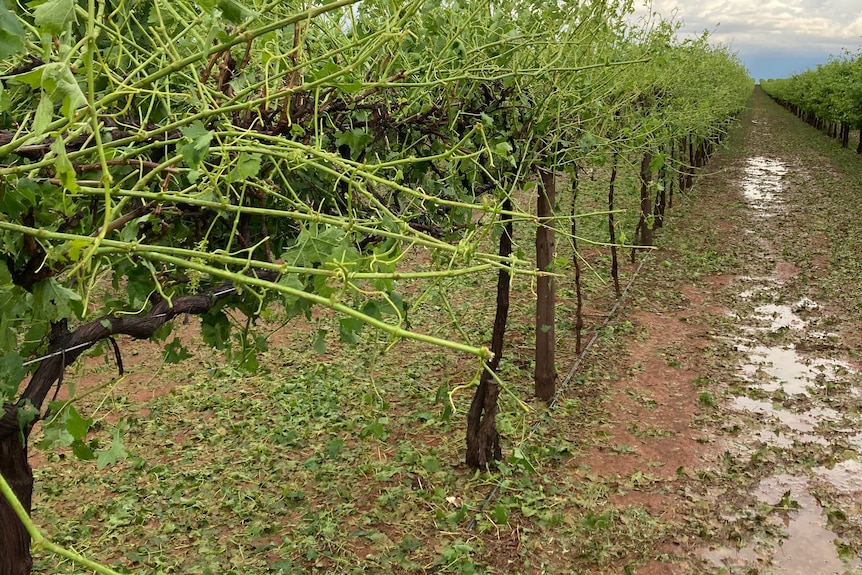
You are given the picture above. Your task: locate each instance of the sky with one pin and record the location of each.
(774, 38)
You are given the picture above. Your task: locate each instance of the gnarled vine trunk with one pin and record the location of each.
(576, 263)
(643, 232)
(64, 348)
(14, 540)
(483, 440)
(612, 228)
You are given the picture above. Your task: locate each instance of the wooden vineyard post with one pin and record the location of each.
(643, 231)
(545, 372)
(672, 180)
(683, 166)
(689, 178)
(660, 199)
(579, 296)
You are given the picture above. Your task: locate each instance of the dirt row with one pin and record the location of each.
(739, 400)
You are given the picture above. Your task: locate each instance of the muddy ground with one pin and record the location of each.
(746, 377)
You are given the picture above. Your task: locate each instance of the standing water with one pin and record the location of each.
(763, 183)
(783, 382)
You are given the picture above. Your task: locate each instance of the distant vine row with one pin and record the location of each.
(828, 97)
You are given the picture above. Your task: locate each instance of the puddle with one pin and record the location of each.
(805, 304)
(856, 439)
(794, 538)
(845, 477)
(725, 557)
(802, 422)
(801, 425)
(758, 284)
(809, 548)
(781, 316)
(762, 183)
(774, 368)
(782, 367)
(825, 335)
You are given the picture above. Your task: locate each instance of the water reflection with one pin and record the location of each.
(784, 368)
(762, 183)
(797, 379)
(809, 547)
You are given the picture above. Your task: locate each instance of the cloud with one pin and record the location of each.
(770, 35)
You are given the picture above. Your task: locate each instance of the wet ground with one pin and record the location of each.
(797, 405)
(732, 411)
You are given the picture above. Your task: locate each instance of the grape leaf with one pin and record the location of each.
(11, 373)
(27, 414)
(356, 139)
(247, 166)
(319, 344)
(195, 150)
(82, 451)
(11, 33)
(8, 336)
(55, 435)
(499, 515)
(44, 114)
(314, 245)
(63, 167)
(349, 329)
(53, 15)
(293, 282)
(76, 425)
(59, 81)
(140, 283)
(52, 301)
(175, 351)
(114, 453)
(250, 363)
(334, 448)
(215, 328)
(235, 11)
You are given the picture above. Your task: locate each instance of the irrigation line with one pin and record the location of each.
(497, 484)
(595, 336)
(89, 343)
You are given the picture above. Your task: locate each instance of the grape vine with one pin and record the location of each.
(164, 158)
(828, 97)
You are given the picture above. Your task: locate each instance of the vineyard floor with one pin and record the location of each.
(740, 402)
(714, 427)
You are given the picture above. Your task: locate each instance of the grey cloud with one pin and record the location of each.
(773, 36)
